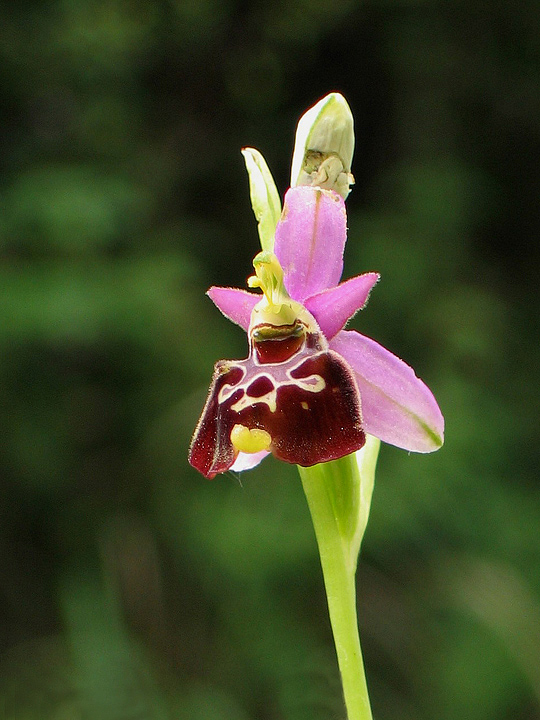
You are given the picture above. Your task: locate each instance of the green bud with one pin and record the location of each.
(264, 196)
(324, 146)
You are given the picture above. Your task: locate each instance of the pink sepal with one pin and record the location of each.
(310, 239)
(397, 406)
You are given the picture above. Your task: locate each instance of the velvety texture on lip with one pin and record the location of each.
(308, 405)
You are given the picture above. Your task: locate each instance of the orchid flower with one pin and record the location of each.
(309, 390)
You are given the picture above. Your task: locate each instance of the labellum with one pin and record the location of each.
(293, 396)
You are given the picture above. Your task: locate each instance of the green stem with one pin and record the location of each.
(339, 566)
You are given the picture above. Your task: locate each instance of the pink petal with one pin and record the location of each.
(246, 461)
(397, 406)
(234, 303)
(333, 307)
(310, 239)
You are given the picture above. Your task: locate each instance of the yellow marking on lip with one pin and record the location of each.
(249, 440)
(270, 399)
(312, 383)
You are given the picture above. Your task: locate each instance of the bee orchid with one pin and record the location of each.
(309, 390)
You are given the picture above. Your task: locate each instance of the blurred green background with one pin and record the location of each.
(130, 587)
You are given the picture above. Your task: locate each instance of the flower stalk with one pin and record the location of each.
(339, 497)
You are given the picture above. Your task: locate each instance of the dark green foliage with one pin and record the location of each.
(130, 587)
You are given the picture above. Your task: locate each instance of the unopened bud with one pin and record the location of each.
(324, 146)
